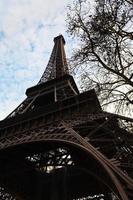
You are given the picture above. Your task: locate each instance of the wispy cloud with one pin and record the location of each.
(27, 28)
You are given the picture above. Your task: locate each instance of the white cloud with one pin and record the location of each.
(27, 28)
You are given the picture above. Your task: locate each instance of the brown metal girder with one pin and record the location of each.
(71, 138)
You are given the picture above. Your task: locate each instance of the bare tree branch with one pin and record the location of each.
(105, 48)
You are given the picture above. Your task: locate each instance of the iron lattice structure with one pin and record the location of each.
(59, 143)
(57, 65)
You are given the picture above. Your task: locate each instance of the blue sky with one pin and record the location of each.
(27, 29)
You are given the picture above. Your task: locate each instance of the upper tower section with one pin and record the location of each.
(57, 65)
(55, 91)
(55, 85)
(56, 78)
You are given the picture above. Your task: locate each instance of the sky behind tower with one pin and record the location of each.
(27, 29)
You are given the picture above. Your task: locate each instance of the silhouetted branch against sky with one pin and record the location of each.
(104, 57)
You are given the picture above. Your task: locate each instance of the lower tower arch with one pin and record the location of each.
(56, 170)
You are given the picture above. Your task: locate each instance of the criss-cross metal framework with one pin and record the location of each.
(57, 65)
(59, 144)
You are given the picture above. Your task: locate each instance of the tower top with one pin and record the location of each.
(57, 65)
(59, 37)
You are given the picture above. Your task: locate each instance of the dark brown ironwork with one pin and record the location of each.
(59, 144)
(57, 65)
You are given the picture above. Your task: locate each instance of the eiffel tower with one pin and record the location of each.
(59, 144)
